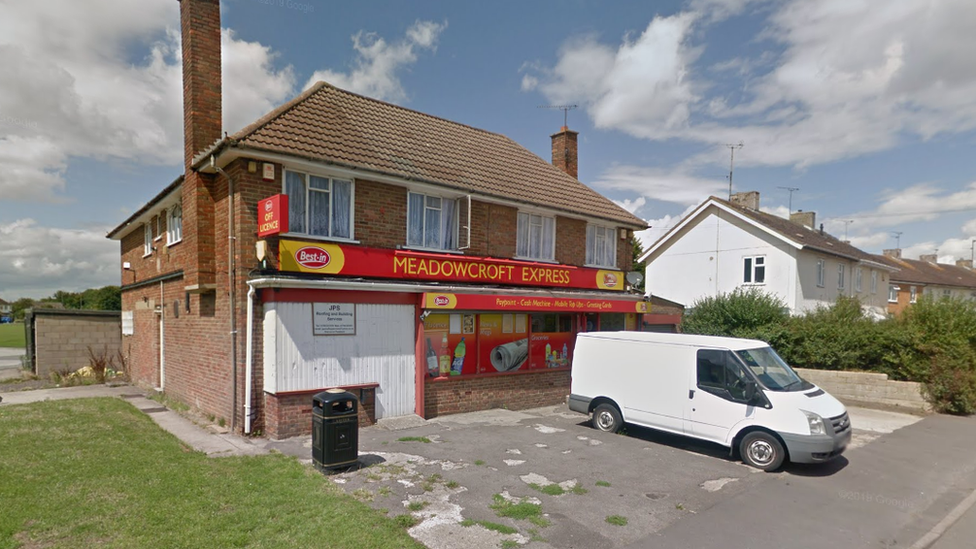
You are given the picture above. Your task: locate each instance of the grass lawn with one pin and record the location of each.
(12, 335)
(99, 473)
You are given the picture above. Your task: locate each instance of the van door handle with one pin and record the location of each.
(691, 393)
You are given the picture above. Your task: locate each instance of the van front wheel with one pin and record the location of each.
(762, 451)
(606, 418)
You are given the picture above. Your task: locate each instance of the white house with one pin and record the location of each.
(723, 245)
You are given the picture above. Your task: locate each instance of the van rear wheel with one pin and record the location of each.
(762, 451)
(607, 418)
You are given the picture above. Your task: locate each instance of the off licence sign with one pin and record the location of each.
(273, 215)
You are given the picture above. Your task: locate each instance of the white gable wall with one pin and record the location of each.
(706, 258)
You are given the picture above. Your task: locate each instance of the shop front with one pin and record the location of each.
(426, 333)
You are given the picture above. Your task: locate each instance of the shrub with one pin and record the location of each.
(739, 313)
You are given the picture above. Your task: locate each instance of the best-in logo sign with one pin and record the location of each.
(442, 300)
(312, 257)
(610, 280)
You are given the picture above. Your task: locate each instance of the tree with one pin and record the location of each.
(637, 250)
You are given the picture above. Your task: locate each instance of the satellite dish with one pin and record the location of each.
(634, 278)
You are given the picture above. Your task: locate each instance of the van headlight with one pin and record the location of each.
(816, 422)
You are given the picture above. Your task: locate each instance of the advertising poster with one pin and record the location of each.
(503, 347)
(551, 350)
(449, 349)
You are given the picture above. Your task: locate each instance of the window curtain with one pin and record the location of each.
(341, 208)
(449, 224)
(522, 236)
(432, 222)
(591, 245)
(415, 219)
(548, 238)
(295, 189)
(318, 206)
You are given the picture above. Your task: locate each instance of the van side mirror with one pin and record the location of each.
(750, 390)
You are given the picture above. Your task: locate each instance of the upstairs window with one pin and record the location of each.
(174, 224)
(874, 282)
(536, 237)
(821, 272)
(857, 280)
(432, 222)
(319, 206)
(601, 246)
(840, 276)
(754, 270)
(912, 294)
(893, 293)
(147, 240)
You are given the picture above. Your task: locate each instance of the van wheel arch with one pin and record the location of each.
(737, 441)
(606, 415)
(603, 400)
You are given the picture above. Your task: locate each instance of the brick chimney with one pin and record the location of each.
(893, 253)
(564, 152)
(965, 263)
(929, 258)
(807, 219)
(749, 199)
(200, 27)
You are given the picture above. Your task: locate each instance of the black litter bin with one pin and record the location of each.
(335, 429)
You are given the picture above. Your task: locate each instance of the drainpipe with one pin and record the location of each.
(232, 284)
(249, 358)
(162, 338)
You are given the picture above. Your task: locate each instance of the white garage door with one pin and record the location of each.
(382, 351)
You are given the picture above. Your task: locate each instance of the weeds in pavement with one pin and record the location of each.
(523, 510)
(617, 520)
(425, 440)
(500, 528)
(406, 521)
(415, 506)
(603, 483)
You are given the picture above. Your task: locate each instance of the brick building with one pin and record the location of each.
(429, 266)
(926, 276)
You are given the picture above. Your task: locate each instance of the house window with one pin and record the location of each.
(432, 222)
(536, 238)
(147, 247)
(840, 277)
(874, 282)
(754, 270)
(601, 246)
(857, 280)
(174, 225)
(946, 293)
(821, 272)
(893, 293)
(320, 206)
(159, 227)
(912, 294)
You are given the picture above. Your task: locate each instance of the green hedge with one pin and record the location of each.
(933, 342)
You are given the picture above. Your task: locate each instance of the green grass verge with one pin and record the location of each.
(99, 473)
(500, 528)
(617, 520)
(12, 335)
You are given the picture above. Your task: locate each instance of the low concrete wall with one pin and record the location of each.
(868, 388)
(61, 338)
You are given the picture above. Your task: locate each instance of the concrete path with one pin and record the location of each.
(200, 439)
(10, 365)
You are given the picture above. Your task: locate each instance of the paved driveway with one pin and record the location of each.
(474, 461)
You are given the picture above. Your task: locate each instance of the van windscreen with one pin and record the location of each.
(771, 370)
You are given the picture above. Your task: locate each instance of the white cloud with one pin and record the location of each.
(632, 205)
(839, 79)
(375, 69)
(39, 261)
(670, 186)
(659, 227)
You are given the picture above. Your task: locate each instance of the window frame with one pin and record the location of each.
(753, 269)
(147, 240)
(423, 237)
(858, 276)
(841, 276)
(610, 233)
(912, 294)
(893, 290)
(307, 221)
(821, 273)
(552, 241)
(874, 282)
(174, 229)
(159, 227)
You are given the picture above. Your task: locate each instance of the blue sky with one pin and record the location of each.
(868, 107)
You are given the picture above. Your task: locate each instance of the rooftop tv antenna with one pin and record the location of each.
(897, 235)
(732, 147)
(791, 190)
(847, 223)
(564, 108)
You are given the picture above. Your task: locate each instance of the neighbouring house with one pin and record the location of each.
(926, 275)
(5, 307)
(340, 241)
(727, 244)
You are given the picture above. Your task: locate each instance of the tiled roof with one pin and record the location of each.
(913, 271)
(809, 238)
(331, 125)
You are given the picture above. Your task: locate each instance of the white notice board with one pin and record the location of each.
(334, 319)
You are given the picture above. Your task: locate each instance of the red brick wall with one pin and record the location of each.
(291, 415)
(381, 214)
(512, 391)
(564, 152)
(200, 24)
(570, 241)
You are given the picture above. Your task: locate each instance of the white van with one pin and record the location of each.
(736, 392)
